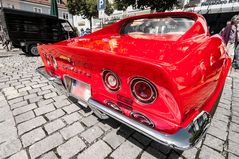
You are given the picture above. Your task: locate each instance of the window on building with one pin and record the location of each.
(59, 1)
(65, 15)
(37, 10)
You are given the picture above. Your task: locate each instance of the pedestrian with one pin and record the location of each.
(236, 58)
(229, 35)
(82, 32)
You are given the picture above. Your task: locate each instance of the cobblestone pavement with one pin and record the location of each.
(38, 121)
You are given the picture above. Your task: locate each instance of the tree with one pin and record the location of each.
(87, 8)
(154, 5)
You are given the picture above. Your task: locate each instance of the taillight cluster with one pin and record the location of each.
(142, 89)
(111, 81)
(50, 60)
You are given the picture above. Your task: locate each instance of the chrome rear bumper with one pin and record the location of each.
(184, 139)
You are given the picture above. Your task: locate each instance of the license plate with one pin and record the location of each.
(80, 90)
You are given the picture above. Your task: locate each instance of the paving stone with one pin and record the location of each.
(49, 155)
(124, 130)
(127, 150)
(174, 155)
(30, 124)
(114, 139)
(10, 147)
(218, 133)
(43, 92)
(20, 155)
(71, 147)
(25, 88)
(151, 153)
(3, 103)
(235, 119)
(24, 117)
(104, 126)
(8, 131)
(214, 142)
(50, 95)
(34, 95)
(207, 152)
(13, 95)
(71, 118)
(32, 136)
(62, 103)
(37, 99)
(16, 100)
(34, 90)
(92, 134)
(234, 136)
(71, 108)
(141, 138)
(164, 149)
(225, 112)
(24, 109)
(44, 102)
(85, 113)
(44, 110)
(60, 98)
(234, 127)
(232, 156)
(72, 130)
(219, 124)
(19, 104)
(98, 150)
(45, 145)
(39, 85)
(47, 87)
(55, 114)
(54, 126)
(90, 120)
(191, 153)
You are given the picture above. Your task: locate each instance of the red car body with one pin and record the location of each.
(186, 70)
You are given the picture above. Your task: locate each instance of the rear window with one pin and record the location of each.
(157, 26)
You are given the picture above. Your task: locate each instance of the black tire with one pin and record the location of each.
(32, 50)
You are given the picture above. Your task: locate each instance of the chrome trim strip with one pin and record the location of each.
(55, 79)
(184, 139)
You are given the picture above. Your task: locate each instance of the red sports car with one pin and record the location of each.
(161, 74)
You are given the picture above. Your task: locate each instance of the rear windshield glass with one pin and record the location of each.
(159, 25)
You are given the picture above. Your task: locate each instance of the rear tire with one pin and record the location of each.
(32, 50)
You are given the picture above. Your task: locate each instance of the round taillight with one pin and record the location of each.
(142, 119)
(143, 90)
(111, 81)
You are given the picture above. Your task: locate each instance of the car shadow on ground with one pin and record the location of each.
(149, 147)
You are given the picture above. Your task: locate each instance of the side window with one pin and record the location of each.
(66, 26)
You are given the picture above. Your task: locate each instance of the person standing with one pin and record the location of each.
(229, 35)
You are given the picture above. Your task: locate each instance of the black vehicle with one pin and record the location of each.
(27, 29)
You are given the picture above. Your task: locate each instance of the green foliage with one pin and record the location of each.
(108, 8)
(87, 8)
(157, 5)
